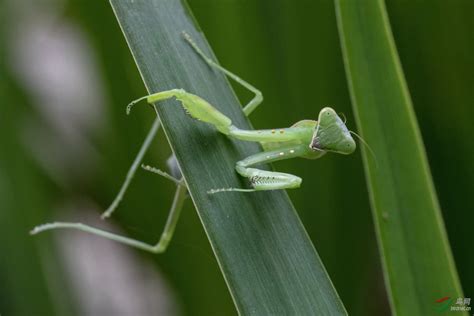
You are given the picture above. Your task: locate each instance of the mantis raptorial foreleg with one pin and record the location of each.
(263, 179)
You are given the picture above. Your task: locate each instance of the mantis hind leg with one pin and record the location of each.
(159, 247)
(257, 99)
(178, 201)
(133, 169)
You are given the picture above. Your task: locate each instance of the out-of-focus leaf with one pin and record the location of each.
(417, 259)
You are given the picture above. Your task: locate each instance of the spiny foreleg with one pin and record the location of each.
(262, 180)
(194, 105)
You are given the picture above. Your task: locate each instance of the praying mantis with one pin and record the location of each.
(306, 139)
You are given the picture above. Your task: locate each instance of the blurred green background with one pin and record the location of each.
(65, 145)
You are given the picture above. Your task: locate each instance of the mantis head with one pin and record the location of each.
(331, 134)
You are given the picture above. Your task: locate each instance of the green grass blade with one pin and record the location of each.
(265, 255)
(418, 264)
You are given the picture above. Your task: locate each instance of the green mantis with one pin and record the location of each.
(307, 139)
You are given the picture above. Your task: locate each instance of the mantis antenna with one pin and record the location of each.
(372, 153)
(344, 116)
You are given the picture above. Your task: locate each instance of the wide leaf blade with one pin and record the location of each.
(417, 259)
(266, 257)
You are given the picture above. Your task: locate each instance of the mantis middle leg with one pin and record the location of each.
(257, 99)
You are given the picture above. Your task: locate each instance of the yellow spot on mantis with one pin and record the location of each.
(282, 131)
(282, 153)
(292, 151)
(273, 131)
